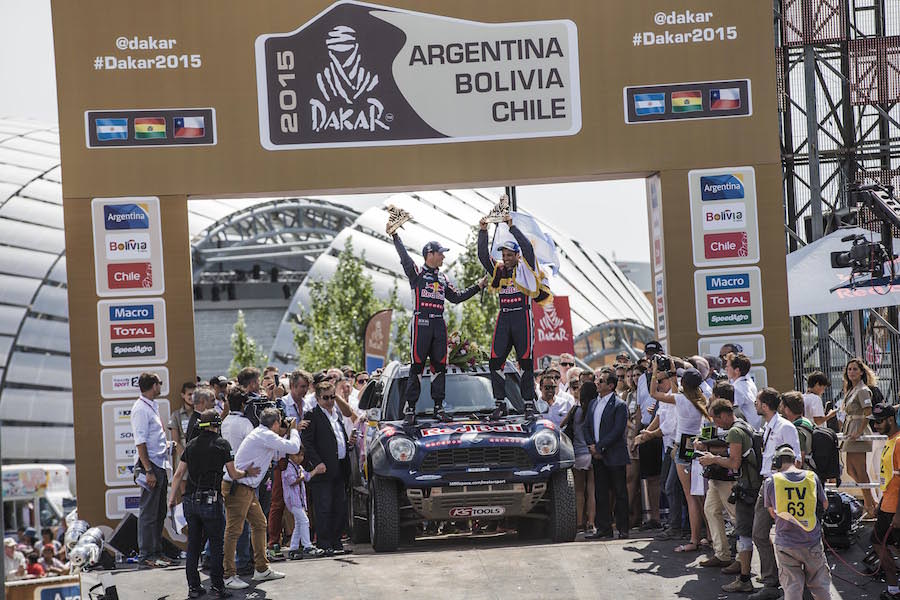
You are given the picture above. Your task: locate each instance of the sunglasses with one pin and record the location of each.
(567, 364)
(329, 397)
(362, 380)
(549, 388)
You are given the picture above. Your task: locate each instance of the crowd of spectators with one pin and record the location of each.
(27, 556)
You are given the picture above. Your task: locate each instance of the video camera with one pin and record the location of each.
(864, 257)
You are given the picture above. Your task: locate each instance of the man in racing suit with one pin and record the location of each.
(429, 288)
(515, 321)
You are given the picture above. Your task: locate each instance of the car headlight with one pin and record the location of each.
(546, 442)
(402, 449)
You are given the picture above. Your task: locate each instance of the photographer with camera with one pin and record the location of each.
(739, 458)
(274, 435)
(203, 461)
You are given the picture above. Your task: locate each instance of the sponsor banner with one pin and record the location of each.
(760, 376)
(473, 512)
(123, 382)
(121, 501)
(119, 452)
(132, 331)
(141, 128)
(659, 293)
(58, 591)
(361, 74)
(680, 101)
(724, 222)
(448, 429)
(377, 339)
(654, 204)
(754, 346)
(553, 328)
(728, 300)
(128, 256)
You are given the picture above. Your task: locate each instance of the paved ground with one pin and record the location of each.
(488, 567)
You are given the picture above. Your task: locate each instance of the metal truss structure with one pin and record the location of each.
(838, 73)
(277, 240)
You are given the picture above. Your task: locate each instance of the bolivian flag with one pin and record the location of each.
(687, 101)
(147, 128)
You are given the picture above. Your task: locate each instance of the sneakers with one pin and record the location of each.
(196, 592)
(500, 411)
(529, 410)
(652, 524)
(500, 212)
(313, 552)
(235, 583)
(267, 575)
(738, 586)
(439, 413)
(396, 218)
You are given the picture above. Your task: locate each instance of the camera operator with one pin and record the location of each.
(203, 460)
(273, 435)
(248, 380)
(740, 458)
(887, 518)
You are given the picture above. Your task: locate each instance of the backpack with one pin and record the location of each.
(825, 458)
(756, 450)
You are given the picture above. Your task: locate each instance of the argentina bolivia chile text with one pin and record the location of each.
(374, 75)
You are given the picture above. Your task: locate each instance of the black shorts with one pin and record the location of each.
(882, 525)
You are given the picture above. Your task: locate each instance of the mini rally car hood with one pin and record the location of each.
(469, 431)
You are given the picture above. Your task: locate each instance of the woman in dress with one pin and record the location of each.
(857, 406)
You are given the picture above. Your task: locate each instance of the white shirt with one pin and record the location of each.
(645, 402)
(259, 448)
(777, 432)
(813, 406)
(147, 428)
(668, 421)
(12, 565)
(706, 388)
(557, 411)
(234, 429)
(337, 423)
(353, 399)
(745, 398)
(688, 417)
(309, 402)
(598, 414)
(290, 407)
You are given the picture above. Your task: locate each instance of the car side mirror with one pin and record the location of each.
(369, 396)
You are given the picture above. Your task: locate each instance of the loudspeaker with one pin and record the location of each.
(124, 539)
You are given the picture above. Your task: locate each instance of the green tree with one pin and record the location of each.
(331, 328)
(244, 350)
(477, 315)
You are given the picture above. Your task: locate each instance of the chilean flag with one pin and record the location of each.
(725, 98)
(189, 127)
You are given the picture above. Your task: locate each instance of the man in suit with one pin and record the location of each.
(325, 442)
(604, 431)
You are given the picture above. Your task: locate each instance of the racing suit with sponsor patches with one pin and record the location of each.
(515, 321)
(429, 289)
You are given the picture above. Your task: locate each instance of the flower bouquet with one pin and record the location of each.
(463, 354)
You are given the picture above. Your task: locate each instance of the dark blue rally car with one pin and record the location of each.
(469, 467)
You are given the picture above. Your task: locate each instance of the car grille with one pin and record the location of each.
(460, 458)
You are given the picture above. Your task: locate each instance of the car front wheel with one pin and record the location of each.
(384, 515)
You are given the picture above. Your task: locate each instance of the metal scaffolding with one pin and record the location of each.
(838, 75)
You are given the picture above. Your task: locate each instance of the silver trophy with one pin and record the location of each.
(396, 218)
(500, 212)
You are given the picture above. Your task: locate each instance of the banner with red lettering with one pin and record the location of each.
(553, 328)
(376, 339)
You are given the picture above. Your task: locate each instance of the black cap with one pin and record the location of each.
(882, 411)
(433, 247)
(219, 380)
(320, 377)
(651, 347)
(691, 378)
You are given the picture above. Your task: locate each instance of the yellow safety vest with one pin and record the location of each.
(887, 462)
(796, 501)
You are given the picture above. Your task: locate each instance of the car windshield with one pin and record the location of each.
(465, 394)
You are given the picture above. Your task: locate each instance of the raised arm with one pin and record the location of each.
(409, 267)
(483, 255)
(524, 244)
(662, 396)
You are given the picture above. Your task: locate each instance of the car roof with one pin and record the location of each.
(396, 370)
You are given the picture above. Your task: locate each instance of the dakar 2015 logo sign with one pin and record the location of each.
(361, 74)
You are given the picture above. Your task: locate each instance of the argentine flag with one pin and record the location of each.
(112, 129)
(544, 247)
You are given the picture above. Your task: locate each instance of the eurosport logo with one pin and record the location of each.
(131, 312)
(736, 281)
(722, 187)
(129, 275)
(725, 216)
(127, 246)
(122, 383)
(477, 511)
(126, 216)
(128, 332)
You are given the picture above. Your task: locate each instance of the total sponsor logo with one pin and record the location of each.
(121, 246)
(728, 300)
(734, 281)
(448, 430)
(724, 216)
(131, 312)
(124, 332)
(729, 318)
(727, 186)
(726, 245)
(470, 512)
(126, 216)
(129, 275)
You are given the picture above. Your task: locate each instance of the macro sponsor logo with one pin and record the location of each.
(729, 318)
(725, 245)
(734, 281)
(129, 275)
(127, 246)
(131, 312)
(740, 299)
(722, 187)
(124, 332)
(126, 216)
(123, 350)
(724, 216)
